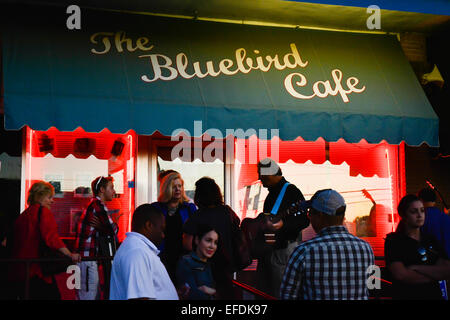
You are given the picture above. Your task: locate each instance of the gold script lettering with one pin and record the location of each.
(120, 38)
(105, 40)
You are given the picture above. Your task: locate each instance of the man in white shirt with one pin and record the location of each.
(137, 271)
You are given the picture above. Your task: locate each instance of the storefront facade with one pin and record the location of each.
(131, 95)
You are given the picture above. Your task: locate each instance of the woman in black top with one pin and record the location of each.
(415, 261)
(213, 212)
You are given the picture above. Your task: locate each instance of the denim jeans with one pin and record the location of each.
(90, 284)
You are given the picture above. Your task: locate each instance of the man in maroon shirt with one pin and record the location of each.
(96, 237)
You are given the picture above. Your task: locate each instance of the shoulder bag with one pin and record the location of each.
(241, 250)
(50, 268)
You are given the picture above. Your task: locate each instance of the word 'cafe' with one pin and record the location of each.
(242, 63)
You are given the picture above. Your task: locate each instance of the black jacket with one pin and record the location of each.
(292, 224)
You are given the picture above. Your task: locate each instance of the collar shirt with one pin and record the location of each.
(137, 271)
(331, 266)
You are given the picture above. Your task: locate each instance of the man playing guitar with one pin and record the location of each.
(281, 227)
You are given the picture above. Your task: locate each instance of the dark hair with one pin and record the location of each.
(341, 211)
(207, 193)
(202, 230)
(269, 163)
(100, 182)
(403, 206)
(333, 220)
(142, 214)
(405, 202)
(427, 195)
(400, 227)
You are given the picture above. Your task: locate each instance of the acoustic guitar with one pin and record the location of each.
(259, 235)
(438, 193)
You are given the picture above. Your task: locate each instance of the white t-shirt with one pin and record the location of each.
(137, 271)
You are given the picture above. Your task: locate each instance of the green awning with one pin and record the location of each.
(150, 74)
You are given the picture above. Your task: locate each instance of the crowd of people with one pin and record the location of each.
(182, 248)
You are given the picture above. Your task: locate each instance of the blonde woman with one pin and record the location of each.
(176, 207)
(28, 230)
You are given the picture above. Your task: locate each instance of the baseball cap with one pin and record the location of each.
(326, 201)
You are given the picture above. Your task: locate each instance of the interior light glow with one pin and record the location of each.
(130, 177)
(390, 185)
(29, 156)
(75, 171)
(365, 174)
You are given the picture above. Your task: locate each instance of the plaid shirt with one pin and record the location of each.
(87, 236)
(331, 266)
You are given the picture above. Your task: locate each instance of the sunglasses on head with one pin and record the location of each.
(98, 182)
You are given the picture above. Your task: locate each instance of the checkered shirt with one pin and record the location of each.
(86, 243)
(331, 266)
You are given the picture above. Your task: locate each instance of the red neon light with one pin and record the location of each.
(381, 279)
(390, 184)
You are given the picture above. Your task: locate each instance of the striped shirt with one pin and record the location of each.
(87, 236)
(331, 266)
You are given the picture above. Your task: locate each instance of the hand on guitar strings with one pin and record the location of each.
(274, 226)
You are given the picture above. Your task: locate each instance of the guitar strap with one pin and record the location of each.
(279, 199)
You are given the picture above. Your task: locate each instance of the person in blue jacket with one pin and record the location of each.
(194, 275)
(437, 223)
(177, 208)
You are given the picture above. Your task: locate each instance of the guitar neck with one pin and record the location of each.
(438, 193)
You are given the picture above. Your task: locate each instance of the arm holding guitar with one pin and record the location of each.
(293, 220)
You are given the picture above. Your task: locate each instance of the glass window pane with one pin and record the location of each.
(192, 171)
(70, 161)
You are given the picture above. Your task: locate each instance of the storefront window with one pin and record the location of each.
(191, 169)
(367, 176)
(70, 161)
